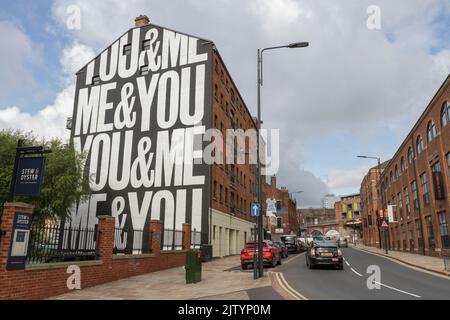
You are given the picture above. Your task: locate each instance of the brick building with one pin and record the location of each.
(283, 220)
(348, 216)
(234, 186)
(416, 182)
(317, 221)
(370, 205)
(150, 89)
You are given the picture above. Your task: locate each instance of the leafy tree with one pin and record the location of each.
(64, 183)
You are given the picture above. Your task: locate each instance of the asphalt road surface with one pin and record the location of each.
(397, 282)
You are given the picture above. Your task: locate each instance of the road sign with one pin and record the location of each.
(384, 224)
(255, 210)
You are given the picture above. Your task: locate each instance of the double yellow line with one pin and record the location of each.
(279, 278)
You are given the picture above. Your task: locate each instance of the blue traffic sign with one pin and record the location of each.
(255, 210)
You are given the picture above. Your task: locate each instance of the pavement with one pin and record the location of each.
(432, 264)
(356, 282)
(222, 279)
(402, 276)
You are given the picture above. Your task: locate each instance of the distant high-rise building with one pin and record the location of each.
(329, 200)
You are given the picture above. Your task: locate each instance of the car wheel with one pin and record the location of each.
(341, 267)
(311, 266)
(279, 261)
(244, 266)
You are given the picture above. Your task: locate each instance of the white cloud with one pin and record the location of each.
(345, 179)
(50, 121)
(347, 81)
(17, 55)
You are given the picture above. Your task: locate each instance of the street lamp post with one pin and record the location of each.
(258, 126)
(385, 232)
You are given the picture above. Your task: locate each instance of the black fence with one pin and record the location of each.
(196, 239)
(172, 240)
(58, 243)
(130, 241)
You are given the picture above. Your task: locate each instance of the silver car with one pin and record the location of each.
(342, 242)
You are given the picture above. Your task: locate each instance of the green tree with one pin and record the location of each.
(64, 183)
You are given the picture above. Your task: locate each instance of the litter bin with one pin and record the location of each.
(193, 266)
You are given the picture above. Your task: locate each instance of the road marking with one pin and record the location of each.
(405, 292)
(356, 272)
(285, 285)
(403, 264)
(348, 264)
(293, 258)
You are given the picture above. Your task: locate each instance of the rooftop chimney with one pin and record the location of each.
(141, 20)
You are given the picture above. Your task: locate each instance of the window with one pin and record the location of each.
(146, 45)
(96, 80)
(448, 163)
(426, 192)
(415, 194)
(144, 70)
(445, 114)
(127, 49)
(431, 240)
(397, 173)
(419, 145)
(436, 167)
(403, 164)
(443, 226)
(431, 131)
(214, 189)
(410, 155)
(419, 233)
(408, 205)
(400, 205)
(220, 194)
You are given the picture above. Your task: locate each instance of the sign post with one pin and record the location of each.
(255, 212)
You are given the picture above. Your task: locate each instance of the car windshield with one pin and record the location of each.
(288, 239)
(325, 244)
(251, 245)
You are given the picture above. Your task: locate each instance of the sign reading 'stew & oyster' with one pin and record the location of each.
(141, 108)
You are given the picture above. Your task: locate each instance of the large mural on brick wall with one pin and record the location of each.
(140, 110)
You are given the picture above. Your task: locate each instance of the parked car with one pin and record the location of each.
(283, 248)
(271, 254)
(290, 241)
(324, 252)
(342, 242)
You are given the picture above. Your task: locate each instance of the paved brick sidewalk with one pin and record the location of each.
(221, 279)
(432, 264)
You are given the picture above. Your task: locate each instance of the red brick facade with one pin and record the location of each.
(47, 280)
(421, 209)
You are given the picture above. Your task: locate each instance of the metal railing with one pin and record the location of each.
(196, 239)
(131, 241)
(172, 240)
(58, 243)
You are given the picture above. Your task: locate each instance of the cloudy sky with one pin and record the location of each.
(355, 90)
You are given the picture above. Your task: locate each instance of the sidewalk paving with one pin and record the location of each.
(221, 279)
(432, 264)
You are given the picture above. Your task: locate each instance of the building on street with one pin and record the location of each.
(370, 205)
(416, 181)
(281, 210)
(317, 221)
(347, 212)
(328, 201)
(151, 89)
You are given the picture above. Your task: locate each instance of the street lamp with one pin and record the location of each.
(258, 126)
(382, 202)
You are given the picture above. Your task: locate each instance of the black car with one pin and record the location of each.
(291, 243)
(326, 253)
(283, 249)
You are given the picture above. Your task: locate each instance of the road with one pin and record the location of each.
(397, 282)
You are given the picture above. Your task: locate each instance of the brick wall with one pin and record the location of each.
(47, 280)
